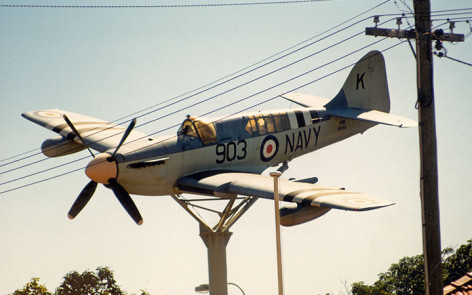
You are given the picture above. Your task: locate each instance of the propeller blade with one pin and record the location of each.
(125, 135)
(69, 123)
(82, 199)
(125, 200)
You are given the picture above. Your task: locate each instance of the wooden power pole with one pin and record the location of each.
(427, 136)
(428, 150)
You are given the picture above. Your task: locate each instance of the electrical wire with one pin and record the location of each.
(155, 132)
(40, 181)
(229, 105)
(264, 61)
(228, 80)
(222, 93)
(219, 84)
(456, 60)
(207, 113)
(44, 170)
(159, 6)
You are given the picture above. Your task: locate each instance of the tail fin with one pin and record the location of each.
(364, 96)
(366, 86)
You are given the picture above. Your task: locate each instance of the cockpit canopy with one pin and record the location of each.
(261, 124)
(201, 128)
(208, 132)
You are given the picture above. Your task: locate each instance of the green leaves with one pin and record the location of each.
(406, 277)
(100, 282)
(458, 264)
(32, 288)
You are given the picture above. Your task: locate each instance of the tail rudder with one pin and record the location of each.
(366, 86)
(363, 97)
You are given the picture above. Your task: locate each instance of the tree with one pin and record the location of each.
(407, 276)
(404, 277)
(101, 282)
(458, 263)
(32, 288)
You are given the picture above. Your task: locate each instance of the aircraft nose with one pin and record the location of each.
(99, 169)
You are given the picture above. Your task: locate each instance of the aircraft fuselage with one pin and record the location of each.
(246, 143)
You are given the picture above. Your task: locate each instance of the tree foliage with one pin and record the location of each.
(32, 288)
(407, 276)
(458, 263)
(404, 277)
(100, 282)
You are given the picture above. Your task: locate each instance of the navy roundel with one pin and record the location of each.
(269, 148)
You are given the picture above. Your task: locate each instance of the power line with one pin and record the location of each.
(265, 59)
(213, 110)
(227, 76)
(221, 93)
(159, 6)
(46, 170)
(190, 106)
(223, 107)
(459, 61)
(440, 55)
(231, 79)
(40, 181)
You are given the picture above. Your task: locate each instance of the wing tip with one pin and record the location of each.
(375, 206)
(408, 123)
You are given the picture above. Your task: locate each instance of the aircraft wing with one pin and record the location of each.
(220, 184)
(98, 134)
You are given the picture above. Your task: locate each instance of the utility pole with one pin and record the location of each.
(427, 136)
(428, 150)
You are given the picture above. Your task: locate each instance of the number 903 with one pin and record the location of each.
(231, 151)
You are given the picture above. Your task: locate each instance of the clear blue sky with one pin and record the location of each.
(109, 63)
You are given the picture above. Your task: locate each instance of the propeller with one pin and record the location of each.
(125, 200)
(103, 169)
(82, 199)
(69, 123)
(125, 135)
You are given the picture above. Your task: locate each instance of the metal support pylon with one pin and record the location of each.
(216, 238)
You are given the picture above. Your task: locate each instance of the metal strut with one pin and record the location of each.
(217, 237)
(230, 214)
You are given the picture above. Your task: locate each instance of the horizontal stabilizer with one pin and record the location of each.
(372, 116)
(305, 100)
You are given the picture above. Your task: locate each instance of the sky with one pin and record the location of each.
(112, 63)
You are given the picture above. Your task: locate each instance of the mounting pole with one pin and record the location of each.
(276, 175)
(216, 238)
(217, 272)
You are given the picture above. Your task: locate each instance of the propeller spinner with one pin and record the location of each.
(103, 168)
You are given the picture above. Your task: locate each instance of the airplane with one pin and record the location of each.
(224, 157)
